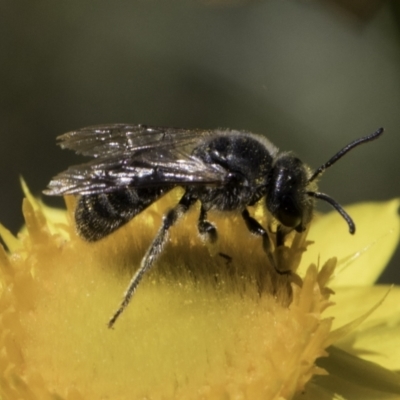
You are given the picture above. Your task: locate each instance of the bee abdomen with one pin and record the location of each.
(98, 215)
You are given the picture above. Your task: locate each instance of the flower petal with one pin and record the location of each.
(362, 256)
(57, 220)
(378, 338)
(352, 378)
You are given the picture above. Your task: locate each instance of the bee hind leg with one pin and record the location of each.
(153, 252)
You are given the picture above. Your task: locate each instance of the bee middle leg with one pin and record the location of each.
(153, 252)
(206, 229)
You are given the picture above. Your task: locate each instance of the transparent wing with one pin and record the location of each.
(134, 155)
(104, 140)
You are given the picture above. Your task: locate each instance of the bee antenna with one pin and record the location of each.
(337, 207)
(344, 151)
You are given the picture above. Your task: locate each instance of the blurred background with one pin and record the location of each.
(311, 75)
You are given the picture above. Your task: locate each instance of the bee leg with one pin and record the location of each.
(226, 257)
(155, 249)
(280, 236)
(256, 229)
(207, 230)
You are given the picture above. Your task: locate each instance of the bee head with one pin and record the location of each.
(292, 190)
(287, 198)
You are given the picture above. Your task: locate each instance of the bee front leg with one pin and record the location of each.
(155, 249)
(280, 236)
(255, 228)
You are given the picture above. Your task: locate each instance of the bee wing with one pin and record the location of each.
(134, 155)
(121, 139)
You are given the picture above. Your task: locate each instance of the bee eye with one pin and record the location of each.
(288, 213)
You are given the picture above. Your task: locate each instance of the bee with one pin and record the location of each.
(224, 170)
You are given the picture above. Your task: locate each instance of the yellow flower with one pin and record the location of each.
(200, 326)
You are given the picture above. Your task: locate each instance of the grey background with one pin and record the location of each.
(310, 77)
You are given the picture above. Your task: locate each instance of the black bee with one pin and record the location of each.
(225, 170)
